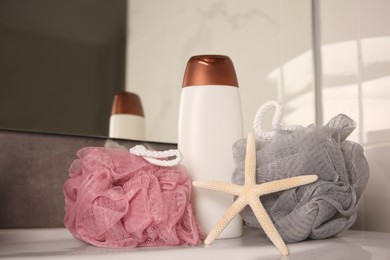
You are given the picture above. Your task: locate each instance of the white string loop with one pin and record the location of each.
(276, 120)
(158, 158)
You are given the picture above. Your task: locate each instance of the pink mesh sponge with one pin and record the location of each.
(116, 199)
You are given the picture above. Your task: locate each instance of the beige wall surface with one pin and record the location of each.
(355, 62)
(270, 43)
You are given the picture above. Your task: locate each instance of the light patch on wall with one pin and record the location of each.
(295, 81)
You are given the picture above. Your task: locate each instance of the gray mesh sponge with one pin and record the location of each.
(323, 208)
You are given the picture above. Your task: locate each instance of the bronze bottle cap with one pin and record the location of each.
(210, 70)
(127, 103)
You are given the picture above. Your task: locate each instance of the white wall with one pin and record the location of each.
(355, 79)
(270, 43)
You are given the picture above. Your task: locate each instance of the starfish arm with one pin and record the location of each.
(230, 213)
(284, 184)
(219, 186)
(250, 160)
(267, 225)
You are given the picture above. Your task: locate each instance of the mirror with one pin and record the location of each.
(61, 62)
(269, 42)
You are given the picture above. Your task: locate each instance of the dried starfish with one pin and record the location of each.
(249, 194)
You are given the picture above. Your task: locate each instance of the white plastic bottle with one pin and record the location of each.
(127, 119)
(210, 121)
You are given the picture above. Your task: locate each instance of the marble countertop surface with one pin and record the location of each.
(58, 243)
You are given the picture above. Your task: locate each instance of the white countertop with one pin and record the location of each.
(59, 244)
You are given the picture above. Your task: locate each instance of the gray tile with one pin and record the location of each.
(33, 168)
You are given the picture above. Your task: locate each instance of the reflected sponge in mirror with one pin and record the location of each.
(116, 199)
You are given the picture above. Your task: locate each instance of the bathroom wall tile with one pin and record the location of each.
(296, 72)
(191, 28)
(339, 55)
(33, 169)
(375, 210)
(160, 44)
(375, 53)
(356, 64)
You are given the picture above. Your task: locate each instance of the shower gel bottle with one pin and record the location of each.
(210, 121)
(127, 119)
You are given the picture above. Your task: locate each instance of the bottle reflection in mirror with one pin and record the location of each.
(127, 119)
(210, 121)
